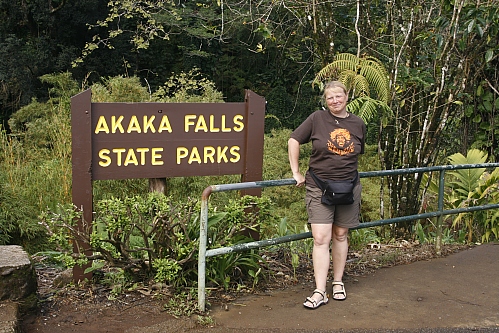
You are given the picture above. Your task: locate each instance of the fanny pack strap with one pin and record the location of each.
(321, 184)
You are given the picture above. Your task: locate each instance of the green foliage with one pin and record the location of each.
(371, 187)
(182, 304)
(427, 235)
(364, 76)
(119, 89)
(252, 213)
(119, 188)
(117, 281)
(121, 14)
(129, 232)
(292, 251)
(480, 117)
(155, 236)
(472, 187)
(255, 276)
(166, 270)
(279, 105)
(285, 111)
(359, 238)
(35, 165)
(188, 87)
(58, 237)
(288, 200)
(435, 68)
(232, 269)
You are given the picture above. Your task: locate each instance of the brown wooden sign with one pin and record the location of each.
(153, 140)
(162, 140)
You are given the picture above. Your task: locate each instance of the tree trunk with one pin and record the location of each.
(157, 185)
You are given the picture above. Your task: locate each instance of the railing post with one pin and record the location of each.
(203, 237)
(440, 217)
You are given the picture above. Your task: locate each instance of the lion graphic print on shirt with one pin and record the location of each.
(340, 142)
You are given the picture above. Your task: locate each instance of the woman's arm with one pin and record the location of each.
(294, 156)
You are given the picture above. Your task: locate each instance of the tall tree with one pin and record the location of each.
(438, 55)
(38, 37)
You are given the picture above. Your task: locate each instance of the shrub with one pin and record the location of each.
(155, 236)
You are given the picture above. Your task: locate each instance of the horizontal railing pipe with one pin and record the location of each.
(257, 244)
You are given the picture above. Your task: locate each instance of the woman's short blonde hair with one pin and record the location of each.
(335, 84)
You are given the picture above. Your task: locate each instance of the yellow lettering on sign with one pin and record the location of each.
(118, 152)
(131, 158)
(105, 159)
(165, 125)
(116, 124)
(201, 125)
(209, 153)
(148, 124)
(182, 152)
(156, 156)
(238, 121)
(194, 157)
(214, 129)
(142, 152)
(133, 125)
(101, 126)
(224, 128)
(188, 121)
(126, 157)
(234, 151)
(221, 154)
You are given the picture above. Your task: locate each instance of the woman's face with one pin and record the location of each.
(336, 100)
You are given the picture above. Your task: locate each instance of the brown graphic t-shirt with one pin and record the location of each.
(336, 144)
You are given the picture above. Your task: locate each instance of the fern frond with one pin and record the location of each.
(360, 86)
(376, 74)
(343, 62)
(367, 108)
(347, 77)
(366, 78)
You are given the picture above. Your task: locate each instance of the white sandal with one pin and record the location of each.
(341, 291)
(315, 304)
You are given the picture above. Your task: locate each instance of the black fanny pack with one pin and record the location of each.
(336, 192)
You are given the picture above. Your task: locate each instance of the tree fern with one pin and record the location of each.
(367, 80)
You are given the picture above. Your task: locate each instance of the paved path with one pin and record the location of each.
(454, 294)
(458, 293)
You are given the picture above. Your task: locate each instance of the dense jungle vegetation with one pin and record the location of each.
(424, 75)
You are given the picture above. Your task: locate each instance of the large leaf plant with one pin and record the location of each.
(474, 187)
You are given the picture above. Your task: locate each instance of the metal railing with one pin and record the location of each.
(203, 232)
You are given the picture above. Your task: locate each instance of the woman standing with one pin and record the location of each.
(338, 138)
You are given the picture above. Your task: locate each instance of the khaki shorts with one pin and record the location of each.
(346, 216)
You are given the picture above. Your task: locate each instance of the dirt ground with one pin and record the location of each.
(270, 306)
